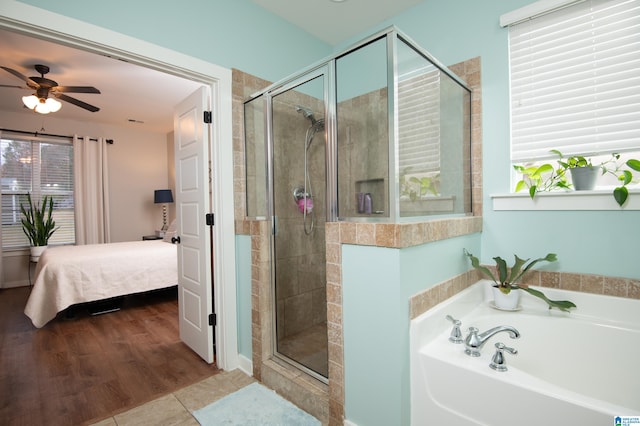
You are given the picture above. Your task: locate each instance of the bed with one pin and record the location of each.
(69, 275)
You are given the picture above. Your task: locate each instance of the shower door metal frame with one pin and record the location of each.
(326, 71)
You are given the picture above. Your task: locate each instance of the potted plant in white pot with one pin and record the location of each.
(506, 287)
(38, 224)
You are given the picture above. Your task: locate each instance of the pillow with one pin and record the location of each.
(170, 232)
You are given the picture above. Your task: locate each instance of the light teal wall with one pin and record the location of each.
(233, 34)
(596, 242)
(243, 294)
(376, 285)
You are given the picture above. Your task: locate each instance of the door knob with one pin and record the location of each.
(175, 240)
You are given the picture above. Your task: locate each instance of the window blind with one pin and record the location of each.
(419, 122)
(41, 168)
(575, 81)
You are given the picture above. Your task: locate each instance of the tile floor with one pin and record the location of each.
(309, 348)
(177, 407)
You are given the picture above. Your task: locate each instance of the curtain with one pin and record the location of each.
(1, 253)
(91, 190)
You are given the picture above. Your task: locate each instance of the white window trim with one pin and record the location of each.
(598, 200)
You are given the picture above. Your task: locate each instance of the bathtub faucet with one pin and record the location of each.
(474, 341)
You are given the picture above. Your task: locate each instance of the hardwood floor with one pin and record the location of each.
(81, 370)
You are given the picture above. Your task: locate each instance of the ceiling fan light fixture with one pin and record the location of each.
(53, 104)
(31, 101)
(41, 105)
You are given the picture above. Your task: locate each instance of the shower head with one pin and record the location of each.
(307, 113)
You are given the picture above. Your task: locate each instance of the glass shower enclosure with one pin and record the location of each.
(377, 133)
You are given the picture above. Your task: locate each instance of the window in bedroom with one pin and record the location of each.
(575, 81)
(40, 167)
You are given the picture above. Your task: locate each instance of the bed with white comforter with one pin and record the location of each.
(69, 275)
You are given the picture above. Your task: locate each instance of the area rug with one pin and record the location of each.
(254, 405)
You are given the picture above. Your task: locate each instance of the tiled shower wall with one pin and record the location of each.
(363, 151)
(300, 258)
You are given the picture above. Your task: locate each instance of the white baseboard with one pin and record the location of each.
(14, 284)
(245, 364)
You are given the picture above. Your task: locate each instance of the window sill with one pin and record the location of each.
(574, 200)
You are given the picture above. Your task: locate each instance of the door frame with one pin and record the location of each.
(43, 24)
(322, 71)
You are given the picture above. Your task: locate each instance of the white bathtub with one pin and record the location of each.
(578, 368)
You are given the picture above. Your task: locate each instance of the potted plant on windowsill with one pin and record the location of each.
(580, 167)
(547, 178)
(38, 224)
(583, 173)
(506, 287)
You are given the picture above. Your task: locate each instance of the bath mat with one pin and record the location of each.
(254, 405)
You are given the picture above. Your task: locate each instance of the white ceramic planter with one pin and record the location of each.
(506, 302)
(36, 251)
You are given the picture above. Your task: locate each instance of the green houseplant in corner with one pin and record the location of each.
(508, 280)
(38, 224)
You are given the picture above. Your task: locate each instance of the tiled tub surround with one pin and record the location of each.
(326, 402)
(587, 283)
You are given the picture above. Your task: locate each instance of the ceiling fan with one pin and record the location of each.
(44, 87)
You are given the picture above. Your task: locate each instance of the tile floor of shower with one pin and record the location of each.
(309, 348)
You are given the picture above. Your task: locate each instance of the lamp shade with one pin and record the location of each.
(162, 196)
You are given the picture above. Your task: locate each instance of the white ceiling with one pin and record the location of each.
(131, 92)
(334, 22)
(128, 92)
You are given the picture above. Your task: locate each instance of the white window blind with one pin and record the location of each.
(575, 81)
(419, 122)
(41, 168)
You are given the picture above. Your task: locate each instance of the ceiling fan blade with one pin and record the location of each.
(16, 87)
(75, 89)
(22, 77)
(76, 102)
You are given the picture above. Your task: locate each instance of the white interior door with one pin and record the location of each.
(195, 284)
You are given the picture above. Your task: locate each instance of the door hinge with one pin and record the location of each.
(209, 220)
(207, 117)
(212, 319)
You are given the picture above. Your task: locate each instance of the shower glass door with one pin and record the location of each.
(299, 212)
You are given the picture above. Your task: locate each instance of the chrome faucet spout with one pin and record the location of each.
(474, 341)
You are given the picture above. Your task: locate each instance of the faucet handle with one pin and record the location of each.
(456, 334)
(498, 362)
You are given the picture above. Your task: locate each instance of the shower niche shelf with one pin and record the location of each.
(377, 188)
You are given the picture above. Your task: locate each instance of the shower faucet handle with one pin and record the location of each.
(456, 334)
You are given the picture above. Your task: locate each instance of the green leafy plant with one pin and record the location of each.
(37, 221)
(546, 177)
(507, 280)
(624, 176)
(415, 187)
(573, 162)
(541, 178)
